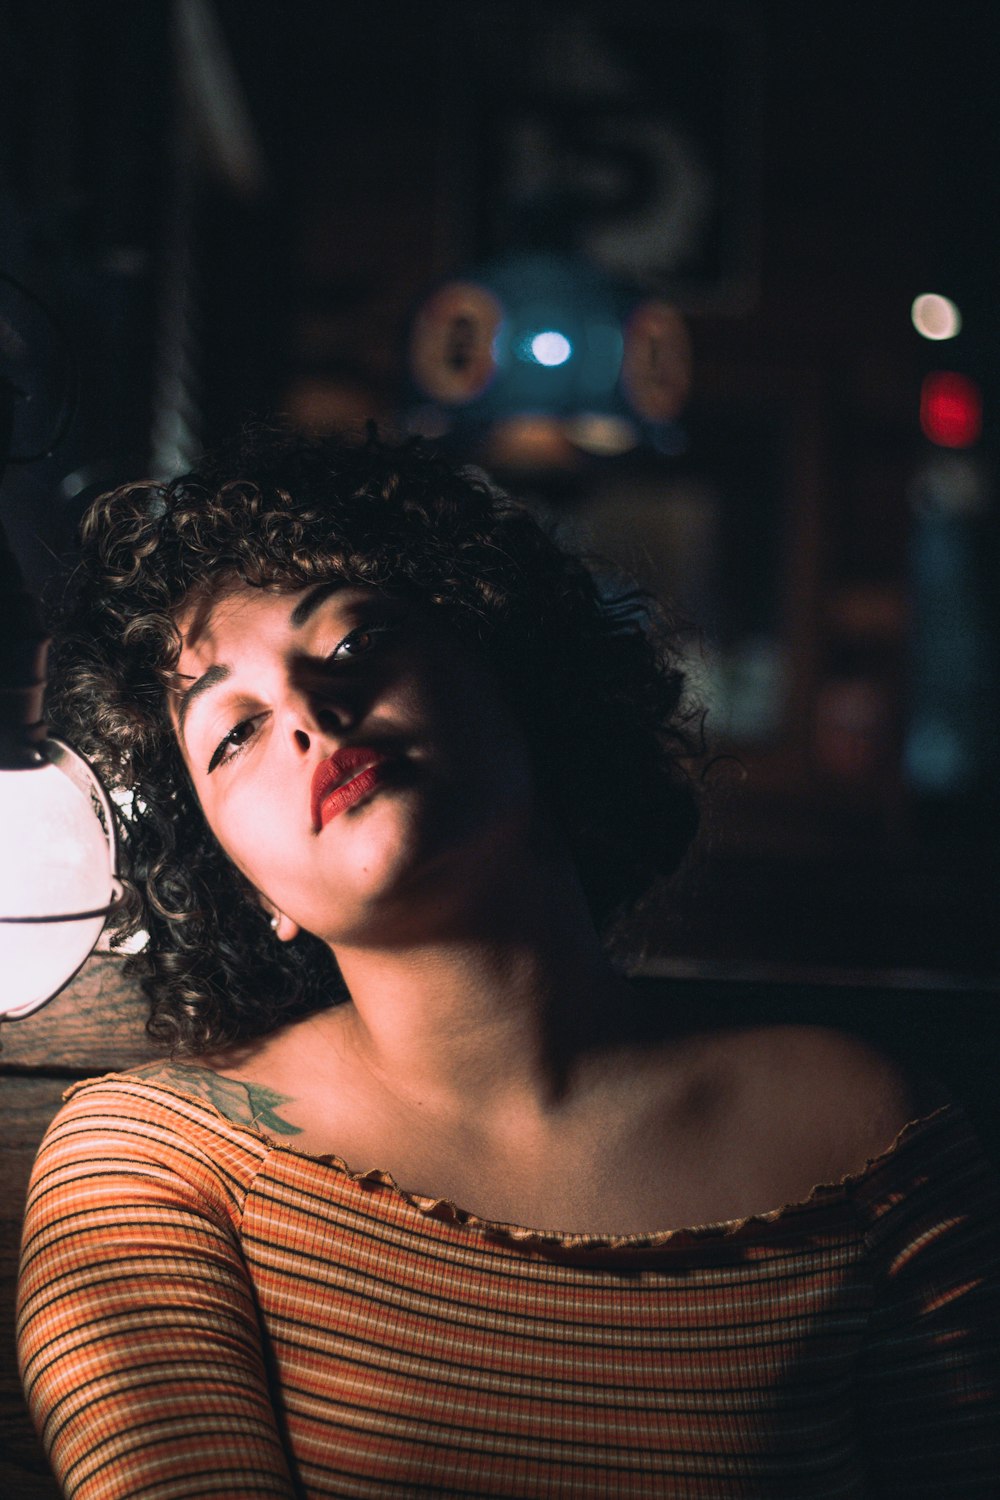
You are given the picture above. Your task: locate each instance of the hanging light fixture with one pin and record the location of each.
(58, 857)
(58, 851)
(547, 358)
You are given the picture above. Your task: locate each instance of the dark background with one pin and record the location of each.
(235, 208)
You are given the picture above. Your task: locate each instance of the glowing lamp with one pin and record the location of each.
(547, 358)
(57, 880)
(951, 409)
(57, 842)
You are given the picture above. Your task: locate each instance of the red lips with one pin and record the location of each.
(343, 779)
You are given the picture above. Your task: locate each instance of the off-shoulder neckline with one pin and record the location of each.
(444, 1210)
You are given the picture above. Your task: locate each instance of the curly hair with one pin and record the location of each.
(594, 681)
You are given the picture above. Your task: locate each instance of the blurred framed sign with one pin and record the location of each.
(624, 133)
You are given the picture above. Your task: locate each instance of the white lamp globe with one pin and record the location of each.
(57, 879)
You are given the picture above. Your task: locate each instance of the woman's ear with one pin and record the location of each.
(284, 928)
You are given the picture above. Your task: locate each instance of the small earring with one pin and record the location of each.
(275, 921)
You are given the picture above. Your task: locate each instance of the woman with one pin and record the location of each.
(428, 1199)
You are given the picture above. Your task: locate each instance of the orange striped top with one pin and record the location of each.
(205, 1313)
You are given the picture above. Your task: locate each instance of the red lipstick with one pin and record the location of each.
(343, 779)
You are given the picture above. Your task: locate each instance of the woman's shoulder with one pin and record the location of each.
(142, 1142)
(243, 1102)
(174, 1114)
(835, 1097)
(902, 1147)
(785, 1106)
(802, 1066)
(833, 1078)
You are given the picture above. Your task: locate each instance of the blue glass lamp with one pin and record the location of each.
(548, 336)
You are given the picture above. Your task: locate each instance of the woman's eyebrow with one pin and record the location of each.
(215, 674)
(310, 602)
(304, 609)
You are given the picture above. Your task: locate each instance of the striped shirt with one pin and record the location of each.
(205, 1313)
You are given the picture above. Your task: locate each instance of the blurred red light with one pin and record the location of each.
(951, 409)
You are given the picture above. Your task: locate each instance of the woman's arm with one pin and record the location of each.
(930, 1390)
(139, 1343)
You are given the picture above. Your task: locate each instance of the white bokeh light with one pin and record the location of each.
(551, 348)
(935, 317)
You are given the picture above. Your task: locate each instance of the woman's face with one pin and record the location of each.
(354, 759)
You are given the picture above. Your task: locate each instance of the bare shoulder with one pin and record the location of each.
(846, 1095)
(240, 1101)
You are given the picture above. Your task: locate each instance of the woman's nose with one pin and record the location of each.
(314, 715)
(321, 704)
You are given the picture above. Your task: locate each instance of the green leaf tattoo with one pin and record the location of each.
(250, 1104)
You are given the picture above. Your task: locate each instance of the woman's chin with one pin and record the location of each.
(379, 883)
(408, 868)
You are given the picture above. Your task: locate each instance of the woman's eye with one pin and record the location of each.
(232, 743)
(358, 642)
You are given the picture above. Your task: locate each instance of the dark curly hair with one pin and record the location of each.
(594, 681)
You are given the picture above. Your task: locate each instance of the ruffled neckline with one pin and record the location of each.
(822, 1195)
(548, 1241)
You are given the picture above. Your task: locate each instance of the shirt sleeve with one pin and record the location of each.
(139, 1345)
(930, 1385)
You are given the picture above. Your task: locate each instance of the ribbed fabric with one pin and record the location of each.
(204, 1313)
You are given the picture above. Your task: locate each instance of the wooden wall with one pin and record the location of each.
(95, 1026)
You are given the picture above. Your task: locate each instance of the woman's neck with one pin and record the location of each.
(502, 1012)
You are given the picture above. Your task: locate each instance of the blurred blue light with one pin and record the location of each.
(936, 759)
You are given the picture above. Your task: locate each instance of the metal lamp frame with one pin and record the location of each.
(72, 764)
